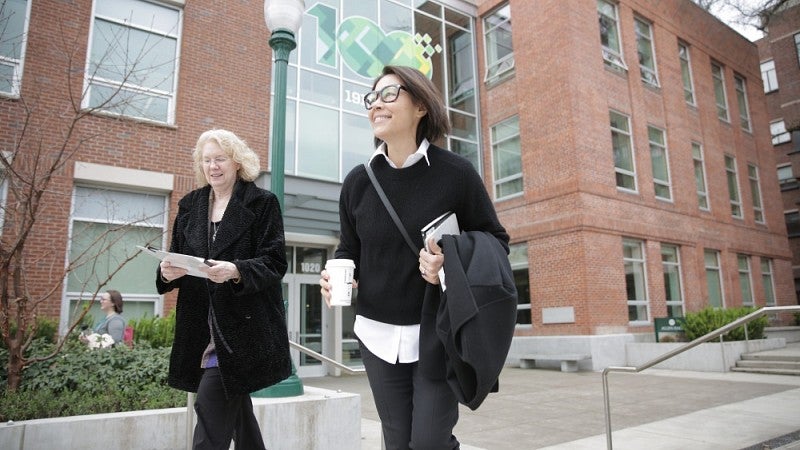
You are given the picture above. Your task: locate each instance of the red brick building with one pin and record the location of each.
(625, 144)
(779, 51)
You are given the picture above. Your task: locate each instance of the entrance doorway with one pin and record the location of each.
(306, 321)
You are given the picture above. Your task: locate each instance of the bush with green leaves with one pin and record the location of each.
(83, 381)
(709, 319)
(157, 331)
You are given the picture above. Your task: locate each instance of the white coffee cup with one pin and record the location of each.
(340, 272)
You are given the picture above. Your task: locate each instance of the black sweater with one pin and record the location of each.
(390, 287)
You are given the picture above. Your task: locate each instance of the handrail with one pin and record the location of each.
(689, 345)
(324, 358)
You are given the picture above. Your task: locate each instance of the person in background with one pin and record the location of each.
(416, 406)
(113, 324)
(230, 332)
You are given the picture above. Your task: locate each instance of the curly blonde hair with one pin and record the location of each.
(236, 149)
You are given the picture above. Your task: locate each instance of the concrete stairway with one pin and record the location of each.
(784, 361)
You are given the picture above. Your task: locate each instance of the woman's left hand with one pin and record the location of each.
(222, 271)
(431, 262)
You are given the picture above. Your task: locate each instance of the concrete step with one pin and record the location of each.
(768, 364)
(770, 357)
(766, 371)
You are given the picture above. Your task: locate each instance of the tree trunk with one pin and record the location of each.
(14, 366)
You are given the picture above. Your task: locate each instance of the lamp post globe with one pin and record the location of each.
(283, 19)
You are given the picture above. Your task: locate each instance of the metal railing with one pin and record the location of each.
(689, 345)
(324, 358)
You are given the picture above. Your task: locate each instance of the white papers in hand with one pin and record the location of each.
(195, 265)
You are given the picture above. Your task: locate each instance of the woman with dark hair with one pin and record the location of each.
(113, 324)
(422, 180)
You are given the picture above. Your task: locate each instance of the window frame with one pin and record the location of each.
(613, 58)
(17, 64)
(768, 281)
(745, 279)
(782, 136)
(649, 75)
(124, 88)
(718, 79)
(518, 258)
(734, 196)
(654, 146)
(717, 269)
(681, 303)
(642, 263)
(504, 65)
(702, 165)
(495, 143)
(141, 298)
(770, 76)
(741, 100)
(621, 171)
(755, 193)
(688, 77)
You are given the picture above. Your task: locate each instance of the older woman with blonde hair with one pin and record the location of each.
(230, 331)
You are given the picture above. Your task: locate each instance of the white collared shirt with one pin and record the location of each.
(392, 343)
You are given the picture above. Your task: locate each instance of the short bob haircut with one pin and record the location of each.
(116, 300)
(234, 147)
(435, 124)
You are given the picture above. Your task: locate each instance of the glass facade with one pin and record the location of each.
(342, 48)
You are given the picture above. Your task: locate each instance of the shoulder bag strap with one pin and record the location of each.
(391, 210)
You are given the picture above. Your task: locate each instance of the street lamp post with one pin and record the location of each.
(283, 20)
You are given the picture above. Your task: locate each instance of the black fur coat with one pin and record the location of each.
(248, 318)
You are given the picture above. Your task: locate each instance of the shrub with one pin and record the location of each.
(707, 320)
(82, 381)
(157, 331)
(45, 329)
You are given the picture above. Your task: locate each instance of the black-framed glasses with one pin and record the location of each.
(387, 94)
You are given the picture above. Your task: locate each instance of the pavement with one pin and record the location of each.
(652, 409)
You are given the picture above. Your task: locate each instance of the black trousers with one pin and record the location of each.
(416, 412)
(220, 419)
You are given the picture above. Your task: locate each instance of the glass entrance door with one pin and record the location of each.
(306, 321)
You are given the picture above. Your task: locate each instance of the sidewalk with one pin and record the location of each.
(654, 409)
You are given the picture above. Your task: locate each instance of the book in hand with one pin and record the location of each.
(193, 264)
(447, 223)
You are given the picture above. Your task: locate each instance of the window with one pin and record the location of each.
(700, 176)
(105, 228)
(13, 31)
(623, 151)
(745, 282)
(671, 263)
(497, 38)
(741, 101)
(609, 35)
(719, 92)
(659, 160)
(786, 177)
(647, 56)
(713, 278)
(770, 76)
(733, 186)
(767, 281)
(755, 192)
(507, 158)
(792, 219)
(635, 280)
(132, 67)
(686, 73)
(778, 131)
(797, 46)
(518, 256)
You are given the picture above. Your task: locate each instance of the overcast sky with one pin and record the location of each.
(729, 16)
